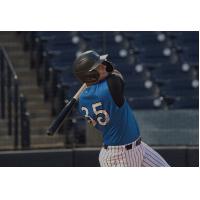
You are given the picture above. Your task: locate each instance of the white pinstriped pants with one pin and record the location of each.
(139, 156)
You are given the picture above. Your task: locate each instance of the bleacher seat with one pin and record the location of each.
(186, 38)
(190, 55)
(144, 103)
(153, 55)
(185, 103)
(171, 72)
(137, 91)
(179, 88)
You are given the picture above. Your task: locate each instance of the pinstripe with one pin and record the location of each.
(125, 157)
(134, 156)
(140, 155)
(153, 156)
(114, 157)
(148, 148)
(150, 156)
(118, 153)
(107, 157)
(156, 156)
(129, 157)
(148, 162)
(159, 157)
(155, 159)
(103, 158)
(159, 160)
(121, 157)
(119, 161)
(110, 156)
(137, 157)
(114, 160)
(144, 164)
(122, 154)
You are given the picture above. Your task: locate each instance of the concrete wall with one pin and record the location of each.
(88, 157)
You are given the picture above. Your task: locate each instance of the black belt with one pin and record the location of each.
(128, 146)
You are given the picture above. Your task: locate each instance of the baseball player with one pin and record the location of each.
(105, 107)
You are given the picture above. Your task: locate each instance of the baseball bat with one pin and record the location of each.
(55, 125)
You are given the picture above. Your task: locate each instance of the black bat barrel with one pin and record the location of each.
(60, 118)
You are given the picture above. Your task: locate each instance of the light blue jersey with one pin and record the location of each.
(117, 124)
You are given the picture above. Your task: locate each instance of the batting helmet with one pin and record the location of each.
(85, 66)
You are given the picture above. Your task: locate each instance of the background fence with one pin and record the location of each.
(13, 105)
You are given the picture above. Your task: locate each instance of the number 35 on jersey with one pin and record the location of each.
(102, 117)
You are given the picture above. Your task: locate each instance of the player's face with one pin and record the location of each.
(101, 69)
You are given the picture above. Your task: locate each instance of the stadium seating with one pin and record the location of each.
(152, 52)
(154, 64)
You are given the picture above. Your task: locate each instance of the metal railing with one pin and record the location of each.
(12, 104)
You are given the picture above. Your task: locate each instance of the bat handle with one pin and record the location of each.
(76, 96)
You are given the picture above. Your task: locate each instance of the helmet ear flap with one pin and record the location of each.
(109, 66)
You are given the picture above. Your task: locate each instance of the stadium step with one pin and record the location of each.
(40, 116)
(37, 141)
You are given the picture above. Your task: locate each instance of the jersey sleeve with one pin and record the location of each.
(116, 86)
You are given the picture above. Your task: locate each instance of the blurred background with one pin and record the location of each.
(36, 78)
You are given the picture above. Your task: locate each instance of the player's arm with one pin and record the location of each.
(116, 86)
